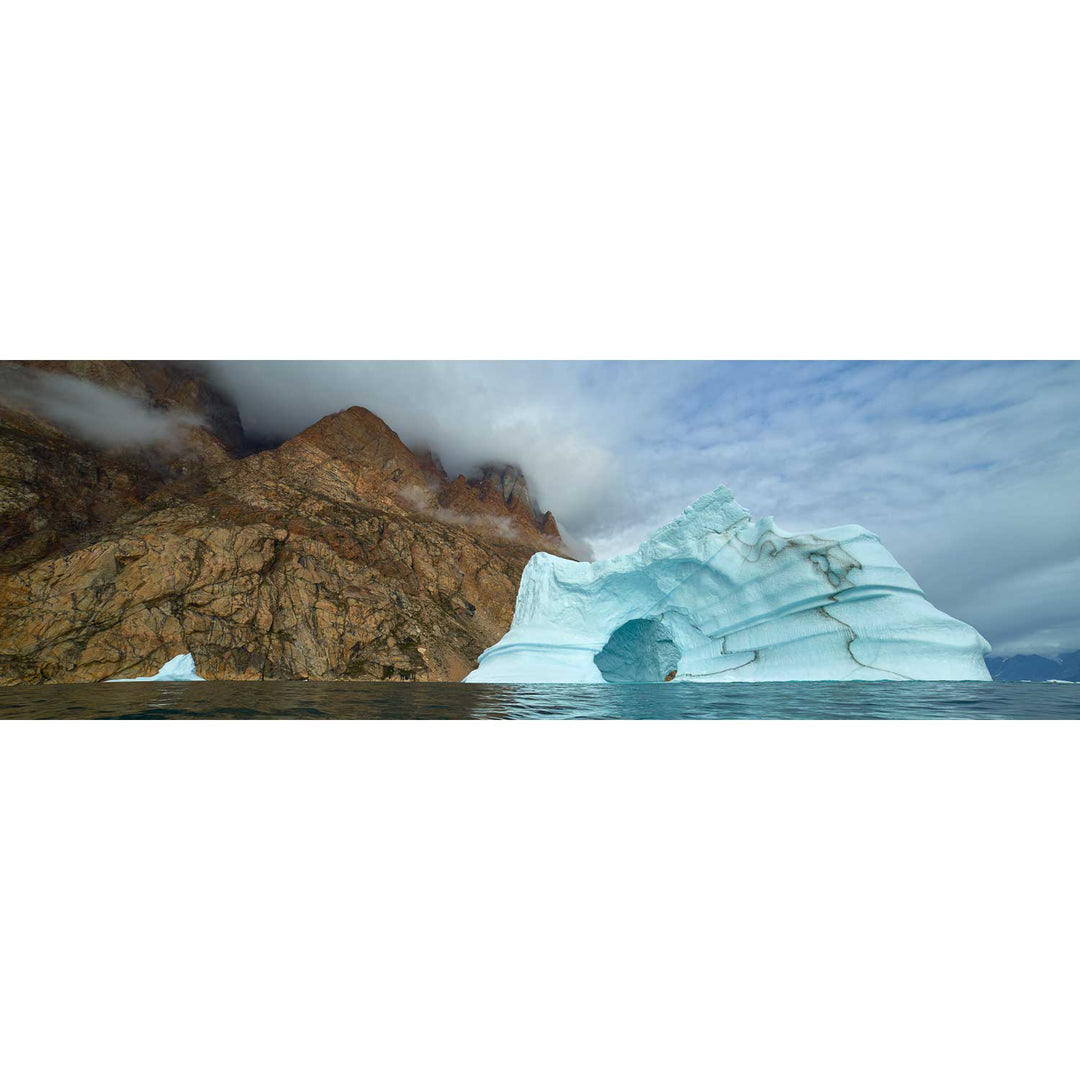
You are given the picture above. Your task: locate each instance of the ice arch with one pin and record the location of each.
(641, 650)
(737, 600)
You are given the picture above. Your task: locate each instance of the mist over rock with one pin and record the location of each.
(339, 554)
(83, 442)
(716, 596)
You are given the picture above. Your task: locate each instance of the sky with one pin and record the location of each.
(969, 472)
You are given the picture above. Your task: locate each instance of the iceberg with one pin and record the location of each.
(179, 669)
(716, 596)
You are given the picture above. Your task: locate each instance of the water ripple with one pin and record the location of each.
(458, 701)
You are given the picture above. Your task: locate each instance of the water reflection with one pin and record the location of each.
(457, 701)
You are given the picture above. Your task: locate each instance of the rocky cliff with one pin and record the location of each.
(340, 554)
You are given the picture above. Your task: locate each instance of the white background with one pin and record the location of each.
(568, 179)
(560, 180)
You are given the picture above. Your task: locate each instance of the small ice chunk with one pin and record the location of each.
(179, 669)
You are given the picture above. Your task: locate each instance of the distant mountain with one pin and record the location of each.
(1032, 668)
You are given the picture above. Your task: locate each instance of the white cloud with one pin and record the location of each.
(104, 417)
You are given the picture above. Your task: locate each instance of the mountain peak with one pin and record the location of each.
(348, 429)
(494, 498)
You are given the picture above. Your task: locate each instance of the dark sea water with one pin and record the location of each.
(458, 701)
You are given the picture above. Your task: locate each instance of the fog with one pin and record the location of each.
(104, 417)
(534, 415)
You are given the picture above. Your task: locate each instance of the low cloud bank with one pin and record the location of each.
(102, 416)
(420, 500)
(539, 416)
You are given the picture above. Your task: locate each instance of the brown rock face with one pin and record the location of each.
(337, 555)
(55, 487)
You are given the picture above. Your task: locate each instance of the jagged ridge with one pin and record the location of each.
(331, 556)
